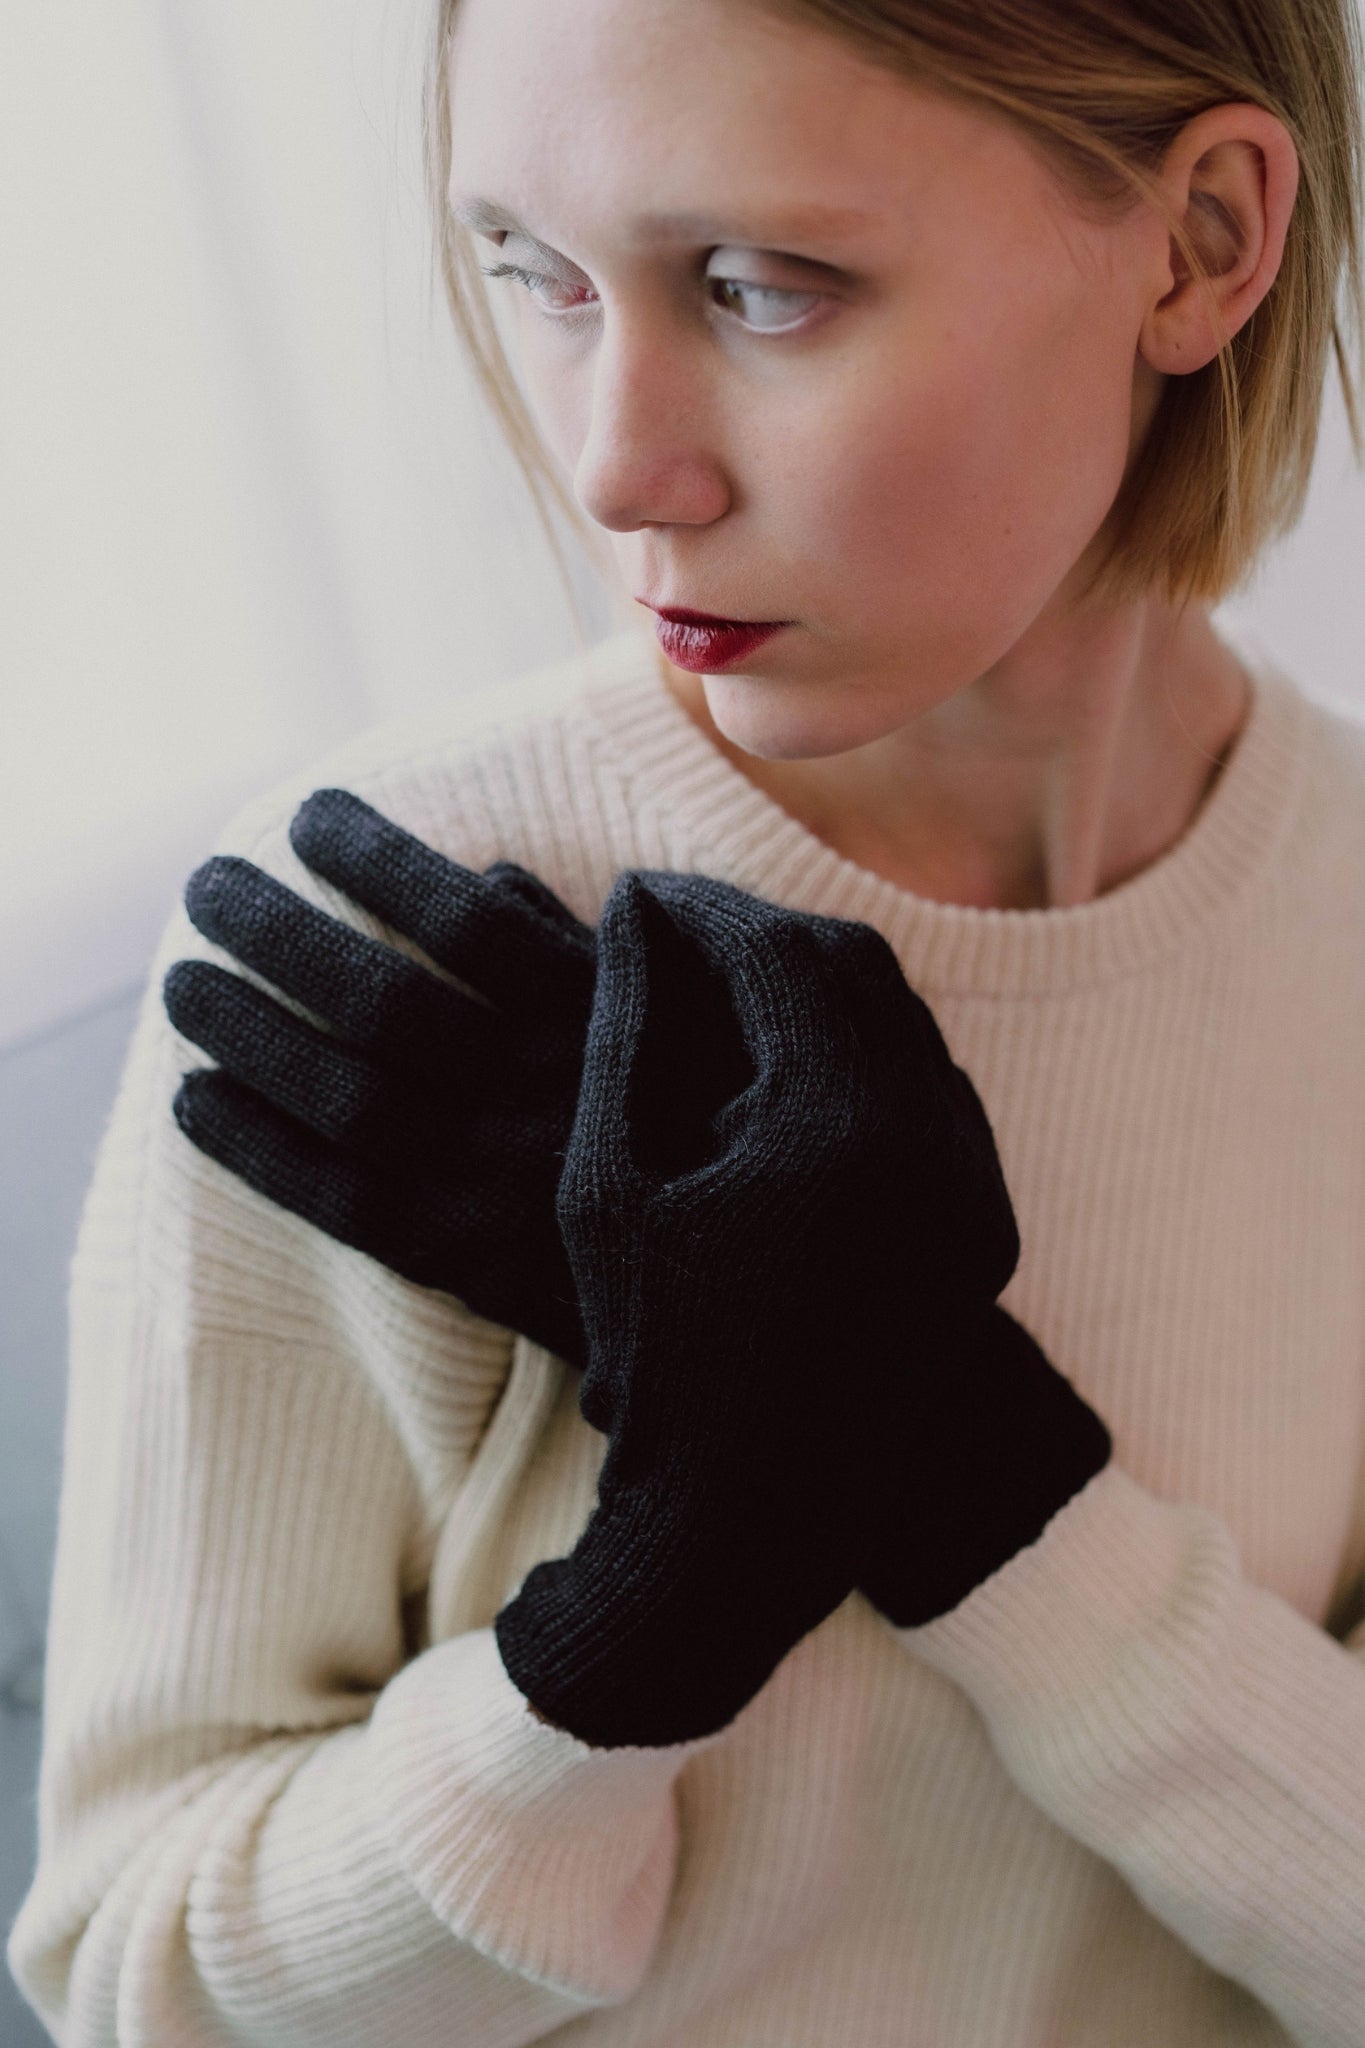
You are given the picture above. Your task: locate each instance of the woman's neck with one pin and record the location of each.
(1037, 786)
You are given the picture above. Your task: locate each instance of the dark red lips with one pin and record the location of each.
(705, 645)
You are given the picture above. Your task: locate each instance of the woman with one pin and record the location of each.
(993, 1672)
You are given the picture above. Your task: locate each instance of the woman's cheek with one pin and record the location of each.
(980, 491)
(558, 394)
(918, 500)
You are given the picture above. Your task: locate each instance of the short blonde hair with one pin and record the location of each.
(1101, 87)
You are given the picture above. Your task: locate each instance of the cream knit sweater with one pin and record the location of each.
(1115, 1799)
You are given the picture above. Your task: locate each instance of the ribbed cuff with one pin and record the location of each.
(1112, 1599)
(554, 1859)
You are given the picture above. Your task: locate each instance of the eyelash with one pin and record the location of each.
(529, 279)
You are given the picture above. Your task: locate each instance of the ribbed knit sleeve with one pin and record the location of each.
(263, 1819)
(1194, 1730)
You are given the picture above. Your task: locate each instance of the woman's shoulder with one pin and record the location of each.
(1289, 813)
(1337, 726)
(511, 771)
(515, 773)
(1329, 816)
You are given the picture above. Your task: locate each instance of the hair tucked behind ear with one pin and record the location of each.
(1102, 87)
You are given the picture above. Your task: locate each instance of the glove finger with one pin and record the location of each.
(496, 938)
(902, 1034)
(292, 1166)
(397, 1219)
(342, 1094)
(720, 914)
(790, 1009)
(684, 1049)
(538, 896)
(370, 994)
(599, 1149)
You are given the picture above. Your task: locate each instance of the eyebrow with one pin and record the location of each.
(797, 224)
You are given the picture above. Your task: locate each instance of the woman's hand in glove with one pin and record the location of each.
(427, 1130)
(426, 1126)
(785, 1215)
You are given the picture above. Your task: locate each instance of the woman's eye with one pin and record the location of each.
(770, 307)
(539, 286)
(764, 307)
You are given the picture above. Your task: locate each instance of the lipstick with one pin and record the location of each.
(706, 645)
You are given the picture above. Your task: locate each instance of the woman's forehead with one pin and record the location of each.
(696, 120)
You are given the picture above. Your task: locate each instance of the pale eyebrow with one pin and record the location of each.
(816, 222)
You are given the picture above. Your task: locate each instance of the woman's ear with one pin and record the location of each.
(1231, 178)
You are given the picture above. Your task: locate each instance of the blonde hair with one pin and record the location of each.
(1101, 87)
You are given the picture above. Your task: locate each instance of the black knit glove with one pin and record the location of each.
(427, 1125)
(779, 1257)
(426, 1130)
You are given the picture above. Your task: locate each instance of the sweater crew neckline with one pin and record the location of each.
(744, 835)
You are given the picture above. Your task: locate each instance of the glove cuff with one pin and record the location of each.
(1012, 1443)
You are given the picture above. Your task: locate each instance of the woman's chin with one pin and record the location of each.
(789, 721)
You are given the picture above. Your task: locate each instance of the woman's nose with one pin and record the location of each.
(649, 458)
